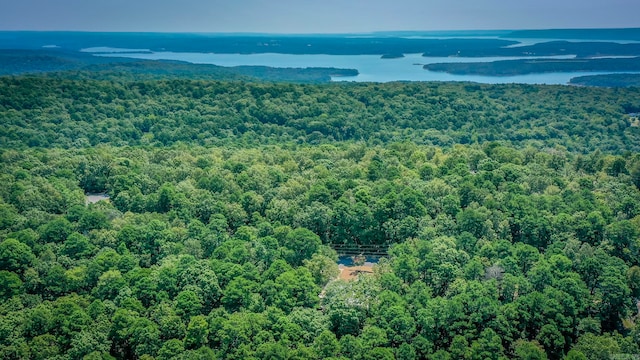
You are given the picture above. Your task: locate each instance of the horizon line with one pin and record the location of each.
(373, 32)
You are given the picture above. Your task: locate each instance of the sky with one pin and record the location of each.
(314, 16)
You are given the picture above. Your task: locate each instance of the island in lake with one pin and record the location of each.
(392, 56)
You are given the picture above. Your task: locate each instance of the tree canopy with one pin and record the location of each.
(511, 215)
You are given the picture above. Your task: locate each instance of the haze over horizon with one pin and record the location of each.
(304, 16)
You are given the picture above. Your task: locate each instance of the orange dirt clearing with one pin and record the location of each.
(351, 272)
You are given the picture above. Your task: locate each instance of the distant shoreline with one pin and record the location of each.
(495, 56)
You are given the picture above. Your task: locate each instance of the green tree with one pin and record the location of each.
(406, 352)
(596, 347)
(197, 332)
(488, 346)
(623, 235)
(551, 339)
(273, 351)
(44, 347)
(77, 246)
(459, 348)
(379, 353)
(10, 284)
(301, 244)
(144, 337)
(633, 280)
(240, 293)
(350, 347)
(171, 349)
(188, 304)
(322, 268)
(326, 345)
(614, 294)
(296, 288)
(15, 256)
(56, 230)
(109, 285)
(171, 327)
(575, 355)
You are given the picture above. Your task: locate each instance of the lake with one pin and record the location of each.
(371, 67)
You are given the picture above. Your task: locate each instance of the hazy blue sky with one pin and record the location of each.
(313, 16)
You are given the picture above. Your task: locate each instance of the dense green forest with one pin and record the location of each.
(79, 65)
(511, 212)
(536, 66)
(61, 112)
(608, 80)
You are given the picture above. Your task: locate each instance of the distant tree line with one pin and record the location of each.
(59, 112)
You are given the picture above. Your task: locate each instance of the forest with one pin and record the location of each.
(608, 80)
(536, 66)
(511, 214)
(75, 65)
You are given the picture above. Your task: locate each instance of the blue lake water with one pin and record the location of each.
(348, 260)
(370, 67)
